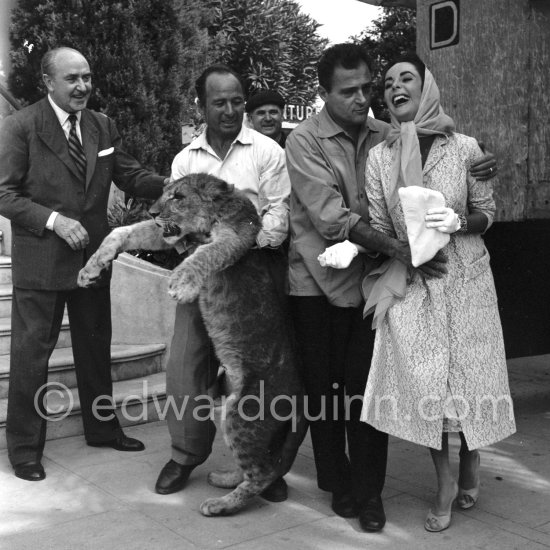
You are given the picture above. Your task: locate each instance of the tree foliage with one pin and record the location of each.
(144, 56)
(391, 35)
(270, 43)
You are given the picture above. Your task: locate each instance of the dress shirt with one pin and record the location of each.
(327, 175)
(63, 118)
(255, 164)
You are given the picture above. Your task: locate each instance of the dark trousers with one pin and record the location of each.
(36, 321)
(190, 374)
(192, 369)
(336, 347)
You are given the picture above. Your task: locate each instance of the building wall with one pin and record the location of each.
(538, 189)
(495, 83)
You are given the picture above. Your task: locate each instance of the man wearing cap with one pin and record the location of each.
(265, 112)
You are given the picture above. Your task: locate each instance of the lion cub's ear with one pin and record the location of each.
(218, 189)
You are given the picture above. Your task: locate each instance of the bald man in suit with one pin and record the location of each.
(57, 161)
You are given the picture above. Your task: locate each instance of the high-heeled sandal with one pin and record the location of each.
(435, 523)
(467, 497)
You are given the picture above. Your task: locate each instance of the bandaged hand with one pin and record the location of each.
(443, 219)
(338, 256)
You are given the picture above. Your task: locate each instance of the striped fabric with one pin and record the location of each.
(75, 148)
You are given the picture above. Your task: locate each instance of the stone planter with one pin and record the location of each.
(142, 311)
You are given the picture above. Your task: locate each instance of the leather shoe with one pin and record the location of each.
(120, 443)
(276, 492)
(371, 515)
(173, 477)
(30, 471)
(344, 505)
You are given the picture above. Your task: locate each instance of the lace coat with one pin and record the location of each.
(444, 338)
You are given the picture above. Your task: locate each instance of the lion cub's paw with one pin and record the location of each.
(184, 284)
(101, 260)
(214, 507)
(86, 277)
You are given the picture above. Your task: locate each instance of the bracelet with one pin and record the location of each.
(463, 223)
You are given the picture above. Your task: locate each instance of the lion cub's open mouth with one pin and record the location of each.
(171, 230)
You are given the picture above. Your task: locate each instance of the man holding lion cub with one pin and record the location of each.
(255, 164)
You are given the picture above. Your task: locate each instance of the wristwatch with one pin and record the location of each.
(463, 223)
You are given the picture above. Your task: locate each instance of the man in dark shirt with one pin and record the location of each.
(326, 157)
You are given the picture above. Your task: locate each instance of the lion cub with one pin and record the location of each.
(244, 317)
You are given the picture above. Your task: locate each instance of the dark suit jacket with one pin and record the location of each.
(37, 176)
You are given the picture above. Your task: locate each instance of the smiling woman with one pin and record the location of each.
(403, 90)
(439, 350)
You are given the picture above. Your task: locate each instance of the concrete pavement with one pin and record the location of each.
(99, 499)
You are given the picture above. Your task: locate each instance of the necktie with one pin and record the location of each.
(75, 148)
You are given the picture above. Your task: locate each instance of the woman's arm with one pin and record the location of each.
(447, 220)
(480, 203)
(476, 222)
(379, 235)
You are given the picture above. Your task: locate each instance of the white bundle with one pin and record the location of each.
(425, 242)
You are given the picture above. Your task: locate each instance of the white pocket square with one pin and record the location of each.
(105, 152)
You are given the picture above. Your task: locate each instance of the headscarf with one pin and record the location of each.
(385, 285)
(429, 120)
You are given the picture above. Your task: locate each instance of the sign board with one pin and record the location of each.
(296, 113)
(293, 114)
(444, 24)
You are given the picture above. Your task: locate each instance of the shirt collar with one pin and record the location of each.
(62, 115)
(329, 128)
(244, 137)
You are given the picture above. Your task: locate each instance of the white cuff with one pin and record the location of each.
(51, 220)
